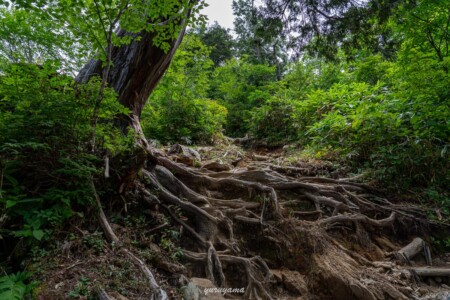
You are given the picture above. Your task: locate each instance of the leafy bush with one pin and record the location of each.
(389, 117)
(399, 128)
(273, 123)
(188, 121)
(13, 286)
(241, 87)
(46, 162)
(179, 110)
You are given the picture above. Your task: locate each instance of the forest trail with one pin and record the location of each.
(274, 227)
(296, 232)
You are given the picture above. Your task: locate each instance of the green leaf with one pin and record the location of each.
(38, 234)
(10, 203)
(12, 287)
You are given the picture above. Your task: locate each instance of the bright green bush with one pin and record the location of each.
(391, 117)
(179, 109)
(46, 162)
(400, 128)
(241, 87)
(187, 121)
(14, 286)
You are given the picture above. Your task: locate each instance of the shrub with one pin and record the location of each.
(46, 162)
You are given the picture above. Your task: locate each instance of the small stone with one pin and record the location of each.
(182, 280)
(58, 285)
(423, 291)
(191, 292)
(180, 149)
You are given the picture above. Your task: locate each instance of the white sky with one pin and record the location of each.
(220, 11)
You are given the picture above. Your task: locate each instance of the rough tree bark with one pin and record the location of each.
(134, 73)
(136, 68)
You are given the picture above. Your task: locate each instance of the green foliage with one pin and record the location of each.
(272, 122)
(81, 289)
(398, 127)
(45, 164)
(90, 25)
(14, 286)
(94, 240)
(168, 241)
(178, 109)
(240, 86)
(389, 117)
(27, 37)
(221, 42)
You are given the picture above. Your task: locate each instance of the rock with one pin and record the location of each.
(184, 159)
(216, 167)
(423, 291)
(191, 292)
(240, 162)
(180, 149)
(294, 282)
(197, 289)
(184, 155)
(182, 280)
(444, 286)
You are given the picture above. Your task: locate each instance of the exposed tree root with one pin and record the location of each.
(238, 225)
(256, 270)
(158, 292)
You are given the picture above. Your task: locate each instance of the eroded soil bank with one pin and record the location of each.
(266, 223)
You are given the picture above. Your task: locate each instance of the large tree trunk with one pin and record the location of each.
(136, 69)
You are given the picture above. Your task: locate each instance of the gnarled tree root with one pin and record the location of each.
(259, 219)
(256, 270)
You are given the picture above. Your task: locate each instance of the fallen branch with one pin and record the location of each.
(431, 272)
(412, 249)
